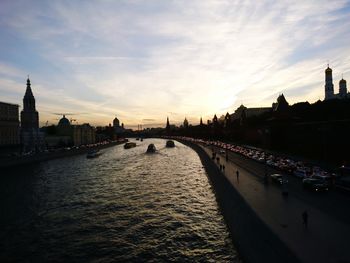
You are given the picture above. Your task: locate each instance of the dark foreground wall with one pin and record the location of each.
(253, 239)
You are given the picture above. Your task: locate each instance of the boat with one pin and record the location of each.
(129, 145)
(137, 138)
(170, 144)
(141, 139)
(93, 154)
(151, 148)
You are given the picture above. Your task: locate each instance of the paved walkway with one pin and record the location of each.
(325, 240)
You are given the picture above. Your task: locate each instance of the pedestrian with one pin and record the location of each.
(305, 217)
(223, 168)
(220, 167)
(237, 174)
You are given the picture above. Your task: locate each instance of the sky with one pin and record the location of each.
(145, 60)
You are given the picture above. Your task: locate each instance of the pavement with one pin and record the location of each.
(327, 237)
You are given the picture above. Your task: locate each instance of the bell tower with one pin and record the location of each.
(329, 87)
(29, 115)
(31, 137)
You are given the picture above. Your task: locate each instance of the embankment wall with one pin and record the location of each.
(254, 240)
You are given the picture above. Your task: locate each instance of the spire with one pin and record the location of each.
(201, 121)
(28, 99)
(185, 123)
(167, 124)
(329, 87)
(29, 92)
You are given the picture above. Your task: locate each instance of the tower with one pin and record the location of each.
(31, 137)
(116, 122)
(29, 115)
(329, 87)
(215, 119)
(167, 124)
(185, 123)
(342, 89)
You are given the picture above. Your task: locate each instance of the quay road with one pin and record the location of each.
(327, 237)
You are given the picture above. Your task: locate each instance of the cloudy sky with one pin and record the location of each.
(145, 60)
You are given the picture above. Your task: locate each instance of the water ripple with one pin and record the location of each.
(123, 206)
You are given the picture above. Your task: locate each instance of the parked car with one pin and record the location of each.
(300, 173)
(278, 178)
(315, 184)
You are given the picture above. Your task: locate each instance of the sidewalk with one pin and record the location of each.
(325, 240)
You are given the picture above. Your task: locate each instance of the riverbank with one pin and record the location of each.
(326, 237)
(45, 156)
(254, 240)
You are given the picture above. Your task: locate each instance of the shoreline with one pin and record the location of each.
(255, 241)
(41, 157)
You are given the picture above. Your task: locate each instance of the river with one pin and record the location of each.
(124, 206)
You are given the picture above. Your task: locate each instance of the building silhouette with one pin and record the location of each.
(185, 124)
(281, 104)
(83, 134)
(9, 125)
(117, 128)
(329, 87)
(31, 137)
(64, 127)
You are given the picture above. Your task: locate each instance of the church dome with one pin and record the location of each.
(328, 69)
(342, 81)
(64, 121)
(116, 122)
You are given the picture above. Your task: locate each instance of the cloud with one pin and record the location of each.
(138, 59)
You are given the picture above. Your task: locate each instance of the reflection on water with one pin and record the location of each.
(123, 206)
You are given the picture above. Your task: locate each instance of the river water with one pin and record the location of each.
(124, 206)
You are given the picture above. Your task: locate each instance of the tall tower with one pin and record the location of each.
(342, 89)
(329, 87)
(31, 137)
(167, 124)
(29, 115)
(185, 123)
(116, 122)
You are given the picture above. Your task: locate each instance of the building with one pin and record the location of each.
(68, 135)
(83, 134)
(329, 87)
(185, 124)
(281, 105)
(31, 138)
(62, 134)
(116, 126)
(9, 125)
(244, 112)
(64, 127)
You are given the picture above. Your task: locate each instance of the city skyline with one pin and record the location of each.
(145, 61)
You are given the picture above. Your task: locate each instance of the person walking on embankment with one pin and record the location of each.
(237, 174)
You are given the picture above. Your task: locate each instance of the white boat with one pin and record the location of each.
(93, 154)
(129, 145)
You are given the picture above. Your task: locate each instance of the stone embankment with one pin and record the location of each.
(45, 156)
(254, 240)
